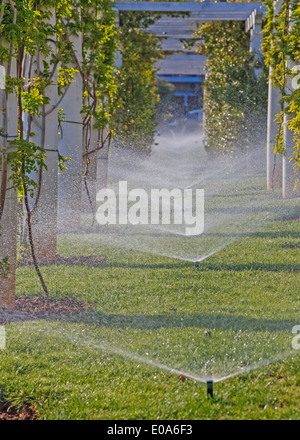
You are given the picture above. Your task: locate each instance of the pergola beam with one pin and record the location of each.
(208, 11)
(182, 27)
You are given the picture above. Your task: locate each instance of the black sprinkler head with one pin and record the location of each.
(210, 388)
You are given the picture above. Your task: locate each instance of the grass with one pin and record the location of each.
(152, 309)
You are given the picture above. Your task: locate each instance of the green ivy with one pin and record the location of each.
(235, 96)
(137, 90)
(282, 49)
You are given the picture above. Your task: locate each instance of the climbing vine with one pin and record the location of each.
(235, 96)
(137, 90)
(282, 53)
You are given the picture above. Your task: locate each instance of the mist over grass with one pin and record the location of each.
(154, 315)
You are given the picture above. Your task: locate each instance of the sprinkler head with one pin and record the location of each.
(197, 264)
(210, 388)
(182, 377)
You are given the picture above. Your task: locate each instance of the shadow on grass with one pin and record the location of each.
(231, 235)
(264, 234)
(205, 322)
(202, 266)
(250, 267)
(149, 266)
(208, 267)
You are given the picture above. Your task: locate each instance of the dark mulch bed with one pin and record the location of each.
(88, 260)
(36, 305)
(33, 307)
(9, 412)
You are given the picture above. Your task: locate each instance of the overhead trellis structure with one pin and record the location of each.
(250, 13)
(175, 30)
(197, 13)
(205, 10)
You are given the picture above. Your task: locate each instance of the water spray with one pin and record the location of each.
(210, 388)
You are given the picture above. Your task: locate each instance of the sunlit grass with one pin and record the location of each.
(236, 310)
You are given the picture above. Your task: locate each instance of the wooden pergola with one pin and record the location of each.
(177, 22)
(200, 12)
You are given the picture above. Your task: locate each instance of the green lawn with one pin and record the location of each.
(152, 314)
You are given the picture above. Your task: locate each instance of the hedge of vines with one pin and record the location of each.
(235, 96)
(137, 94)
